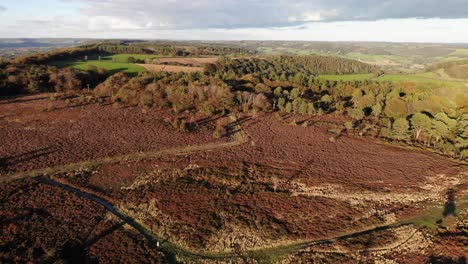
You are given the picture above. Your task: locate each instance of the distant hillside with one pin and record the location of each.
(12, 48)
(454, 69)
(39, 43)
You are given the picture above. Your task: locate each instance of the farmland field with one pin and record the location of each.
(119, 64)
(430, 78)
(460, 53)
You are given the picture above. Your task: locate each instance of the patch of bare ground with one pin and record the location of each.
(170, 68)
(32, 138)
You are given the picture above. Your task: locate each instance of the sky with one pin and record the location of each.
(311, 20)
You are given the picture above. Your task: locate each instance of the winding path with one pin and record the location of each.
(153, 239)
(171, 250)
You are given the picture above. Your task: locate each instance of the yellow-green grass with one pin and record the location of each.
(112, 63)
(449, 58)
(347, 77)
(124, 57)
(434, 215)
(460, 52)
(378, 58)
(112, 67)
(453, 90)
(419, 78)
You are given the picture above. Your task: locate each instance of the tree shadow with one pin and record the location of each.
(19, 99)
(446, 260)
(103, 234)
(14, 160)
(450, 207)
(29, 212)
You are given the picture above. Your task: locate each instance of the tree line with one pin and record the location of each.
(401, 112)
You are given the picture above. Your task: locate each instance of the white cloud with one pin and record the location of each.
(394, 30)
(333, 20)
(189, 14)
(102, 23)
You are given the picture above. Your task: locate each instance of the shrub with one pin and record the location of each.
(262, 88)
(92, 68)
(396, 108)
(219, 131)
(349, 125)
(209, 68)
(400, 129)
(420, 122)
(50, 107)
(356, 113)
(146, 99)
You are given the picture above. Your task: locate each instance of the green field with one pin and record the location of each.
(112, 63)
(437, 78)
(438, 81)
(460, 52)
(112, 67)
(378, 58)
(124, 57)
(347, 77)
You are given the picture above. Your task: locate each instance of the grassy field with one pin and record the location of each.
(378, 59)
(112, 67)
(437, 78)
(460, 52)
(347, 77)
(124, 57)
(440, 83)
(112, 63)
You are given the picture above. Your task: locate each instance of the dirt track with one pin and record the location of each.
(280, 180)
(147, 233)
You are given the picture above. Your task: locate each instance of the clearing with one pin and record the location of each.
(112, 63)
(119, 63)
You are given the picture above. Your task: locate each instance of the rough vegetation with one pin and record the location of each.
(250, 158)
